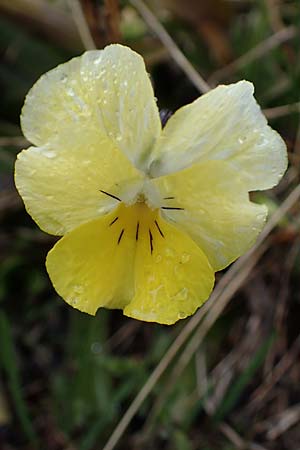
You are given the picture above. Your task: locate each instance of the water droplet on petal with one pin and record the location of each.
(185, 257)
(182, 294)
(70, 92)
(74, 301)
(169, 252)
(49, 153)
(181, 315)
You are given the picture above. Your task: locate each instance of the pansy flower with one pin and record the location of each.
(147, 215)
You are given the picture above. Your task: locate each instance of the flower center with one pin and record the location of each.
(137, 222)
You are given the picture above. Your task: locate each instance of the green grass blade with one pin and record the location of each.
(8, 361)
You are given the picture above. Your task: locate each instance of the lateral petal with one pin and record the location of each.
(216, 211)
(61, 188)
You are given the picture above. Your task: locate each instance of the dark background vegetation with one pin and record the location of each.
(232, 377)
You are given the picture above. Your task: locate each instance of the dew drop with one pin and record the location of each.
(77, 289)
(96, 348)
(49, 154)
(182, 294)
(169, 252)
(158, 258)
(70, 92)
(185, 257)
(181, 315)
(74, 301)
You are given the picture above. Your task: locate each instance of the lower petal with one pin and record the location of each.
(172, 275)
(92, 267)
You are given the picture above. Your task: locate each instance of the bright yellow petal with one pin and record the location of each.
(105, 93)
(224, 124)
(133, 260)
(216, 212)
(61, 188)
(172, 275)
(92, 266)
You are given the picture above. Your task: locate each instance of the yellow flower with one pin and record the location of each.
(147, 215)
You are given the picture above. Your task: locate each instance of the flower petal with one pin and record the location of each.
(224, 124)
(89, 268)
(172, 276)
(103, 92)
(216, 213)
(61, 188)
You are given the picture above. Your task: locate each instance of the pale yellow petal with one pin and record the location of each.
(91, 267)
(106, 93)
(61, 188)
(172, 275)
(224, 124)
(216, 212)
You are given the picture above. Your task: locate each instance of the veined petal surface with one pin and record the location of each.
(91, 268)
(216, 212)
(224, 124)
(61, 188)
(172, 275)
(106, 93)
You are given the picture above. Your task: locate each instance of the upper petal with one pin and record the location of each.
(216, 211)
(224, 124)
(103, 91)
(172, 275)
(61, 188)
